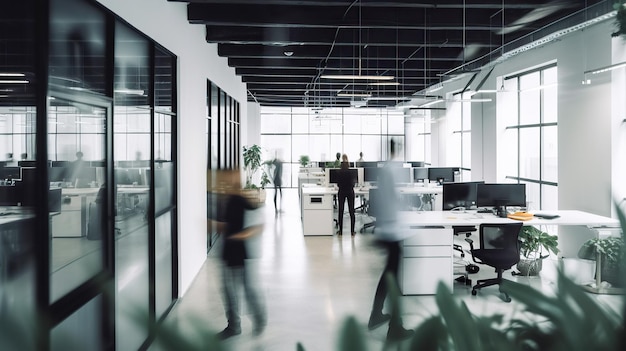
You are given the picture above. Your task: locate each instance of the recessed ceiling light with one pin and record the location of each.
(288, 53)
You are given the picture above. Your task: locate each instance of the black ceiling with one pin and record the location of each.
(281, 48)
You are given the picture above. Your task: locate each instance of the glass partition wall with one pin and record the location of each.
(87, 155)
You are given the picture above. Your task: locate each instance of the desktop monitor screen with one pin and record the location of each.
(370, 174)
(459, 195)
(502, 194)
(417, 163)
(367, 164)
(60, 163)
(332, 178)
(29, 163)
(401, 174)
(56, 174)
(420, 173)
(10, 173)
(446, 174)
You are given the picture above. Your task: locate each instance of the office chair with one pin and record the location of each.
(462, 229)
(371, 208)
(467, 268)
(499, 248)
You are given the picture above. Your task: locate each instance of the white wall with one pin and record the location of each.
(166, 23)
(584, 118)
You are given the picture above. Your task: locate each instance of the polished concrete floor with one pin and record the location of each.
(311, 284)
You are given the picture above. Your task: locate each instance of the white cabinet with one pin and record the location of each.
(317, 212)
(426, 260)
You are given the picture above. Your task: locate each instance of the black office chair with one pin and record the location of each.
(499, 248)
(462, 229)
(467, 268)
(372, 202)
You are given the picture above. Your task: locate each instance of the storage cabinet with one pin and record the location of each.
(426, 260)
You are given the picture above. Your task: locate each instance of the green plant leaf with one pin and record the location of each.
(431, 334)
(461, 324)
(352, 337)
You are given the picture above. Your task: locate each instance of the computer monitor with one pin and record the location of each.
(332, 177)
(27, 163)
(60, 163)
(401, 174)
(10, 173)
(500, 195)
(420, 173)
(442, 174)
(416, 163)
(367, 164)
(370, 174)
(56, 174)
(121, 177)
(134, 176)
(459, 195)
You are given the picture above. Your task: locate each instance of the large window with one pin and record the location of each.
(290, 132)
(418, 133)
(528, 146)
(459, 145)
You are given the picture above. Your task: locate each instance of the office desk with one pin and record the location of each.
(427, 256)
(73, 220)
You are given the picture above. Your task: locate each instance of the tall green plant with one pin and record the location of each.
(251, 163)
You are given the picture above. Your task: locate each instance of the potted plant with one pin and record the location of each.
(304, 161)
(610, 251)
(251, 164)
(533, 242)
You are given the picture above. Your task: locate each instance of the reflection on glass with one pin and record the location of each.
(131, 137)
(77, 211)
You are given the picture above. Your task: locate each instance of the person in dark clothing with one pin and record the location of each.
(236, 271)
(345, 183)
(74, 169)
(278, 181)
(388, 236)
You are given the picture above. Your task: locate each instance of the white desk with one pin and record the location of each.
(452, 218)
(427, 256)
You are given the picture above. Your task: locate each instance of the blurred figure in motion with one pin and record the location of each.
(236, 272)
(278, 181)
(388, 234)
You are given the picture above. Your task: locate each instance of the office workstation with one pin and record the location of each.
(428, 247)
(417, 191)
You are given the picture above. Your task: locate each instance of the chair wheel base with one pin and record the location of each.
(474, 292)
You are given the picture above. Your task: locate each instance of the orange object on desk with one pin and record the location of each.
(520, 216)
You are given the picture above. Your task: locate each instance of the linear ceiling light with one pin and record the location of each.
(389, 98)
(354, 95)
(384, 83)
(129, 91)
(606, 69)
(355, 77)
(13, 81)
(5, 74)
